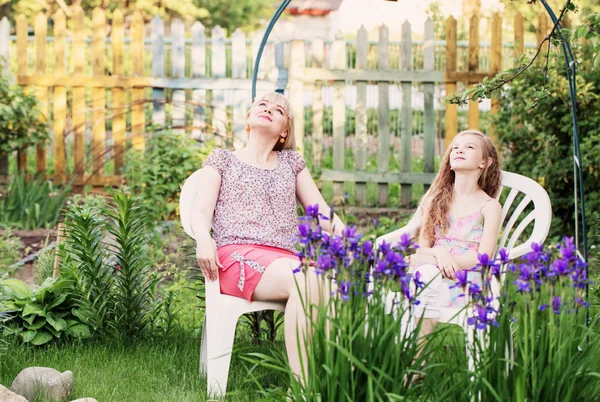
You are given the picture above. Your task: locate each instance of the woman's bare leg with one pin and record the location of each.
(279, 283)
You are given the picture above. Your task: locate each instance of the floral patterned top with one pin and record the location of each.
(464, 234)
(255, 205)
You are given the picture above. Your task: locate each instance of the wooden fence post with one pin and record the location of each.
(60, 98)
(473, 66)
(495, 64)
(317, 55)
(22, 69)
(407, 65)
(78, 109)
(118, 94)
(383, 154)
(41, 32)
(178, 71)
(428, 106)
(451, 66)
(198, 71)
(519, 48)
(238, 71)
(218, 71)
(138, 119)
(296, 88)
(158, 70)
(541, 32)
(4, 58)
(339, 114)
(360, 148)
(98, 94)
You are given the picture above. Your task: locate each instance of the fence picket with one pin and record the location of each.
(495, 63)
(158, 69)
(240, 97)
(98, 94)
(60, 98)
(296, 90)
(451, 66)
(178, 71)
(407, 65)
(198, 71)
(338, 55)
(22, 69)
(118, 94)
(428, 106)
(317, 55)
(472, 66)
(138, 120)
(219, 113)
(78, 57)
(383, 154)
(362, 47)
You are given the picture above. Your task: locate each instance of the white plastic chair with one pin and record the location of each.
(222, 311)
(541, 216)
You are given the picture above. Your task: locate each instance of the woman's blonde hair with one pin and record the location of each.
(281, 101)
(437, 201)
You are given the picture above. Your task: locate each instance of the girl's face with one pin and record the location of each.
(467, 153)
(269, 118)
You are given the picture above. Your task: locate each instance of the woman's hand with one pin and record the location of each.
(446, 263)
(207, 257)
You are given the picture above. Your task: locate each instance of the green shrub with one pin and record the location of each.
(10, 250)
(32, 204)
(158, 173)
(21, 125)
(542, 147)
(42, 315)
(43, 266)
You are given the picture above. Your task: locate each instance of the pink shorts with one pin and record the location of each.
(243, 266)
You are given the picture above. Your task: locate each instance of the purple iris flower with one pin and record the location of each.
(504, 255)
(417, 279)
(462, 278)
(556, 303)
(343, 289)
(312, 210)
(484, 259)
(482, 318)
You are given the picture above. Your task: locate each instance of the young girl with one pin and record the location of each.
(249, 200)
(461, 219)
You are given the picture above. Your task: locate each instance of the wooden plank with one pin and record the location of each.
(296, 90)
(118, 94)
(338, 55)
(128, 82)
(138, 121)
(78, 57)
(79, 181)
(383, 152)
(158, 69)
(406, 135)
(21, 22)
(219, 115)
(199, 70)
(473, 65)
(542, 31)
(360, 151)
(60, 98)
(4, 57)
(377, 177)
(317, 56)
(519, 48)
(240, 98)
(178, 71)
(98, 94)
(41, 32)
(378, 75)
(451, 65)
(495, 64)
(428, 106)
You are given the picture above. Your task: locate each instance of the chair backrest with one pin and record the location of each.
(521, 214)
(187, 198)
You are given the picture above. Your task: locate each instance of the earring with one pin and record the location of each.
(282, 140)
(248, 128)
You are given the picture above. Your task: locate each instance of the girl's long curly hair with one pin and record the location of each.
(436, 203)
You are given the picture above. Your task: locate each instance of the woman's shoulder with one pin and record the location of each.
(219, 159)
(294, 159)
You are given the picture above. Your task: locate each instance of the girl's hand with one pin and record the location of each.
(207, 257)
(446, 263)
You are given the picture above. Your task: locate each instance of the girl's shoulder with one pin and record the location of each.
(491, 206)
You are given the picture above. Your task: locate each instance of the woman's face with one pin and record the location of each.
(467, 153)
(268, 118)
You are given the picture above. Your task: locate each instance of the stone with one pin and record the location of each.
(84, 400)
(6, 395)
(43, 382)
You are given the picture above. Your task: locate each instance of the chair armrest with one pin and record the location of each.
(394, 237)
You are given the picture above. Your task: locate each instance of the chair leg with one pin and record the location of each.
(203, 348)
(219, 344)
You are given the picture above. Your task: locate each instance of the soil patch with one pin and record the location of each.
(32, 241)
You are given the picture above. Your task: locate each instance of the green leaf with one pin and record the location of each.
(41, 338)
(28, 335)
(81, 331)
(38, 323)
(16, 289)
(57, 323)
(32, 308)
(58, 301)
